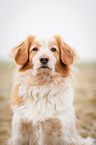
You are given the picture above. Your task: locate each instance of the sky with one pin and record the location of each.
(74, 20)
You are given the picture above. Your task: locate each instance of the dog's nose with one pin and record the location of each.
(44, 59)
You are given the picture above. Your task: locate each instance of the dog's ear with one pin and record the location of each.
(20, 52)
(68, 55)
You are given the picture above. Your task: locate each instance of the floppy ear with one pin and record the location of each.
(67, 54)
(20, 52)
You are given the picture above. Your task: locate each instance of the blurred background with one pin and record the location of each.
(75, 21)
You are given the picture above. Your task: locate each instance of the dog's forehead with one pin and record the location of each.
(45, 40)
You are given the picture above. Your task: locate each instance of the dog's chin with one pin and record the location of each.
(44, 71)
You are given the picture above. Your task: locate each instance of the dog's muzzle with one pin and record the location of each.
(44, 62)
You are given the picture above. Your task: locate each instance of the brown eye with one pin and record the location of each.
(53, 49)
(35, 49)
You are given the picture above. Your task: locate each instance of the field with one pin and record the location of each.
(84, 103)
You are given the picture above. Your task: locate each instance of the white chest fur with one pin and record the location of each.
(46, 101)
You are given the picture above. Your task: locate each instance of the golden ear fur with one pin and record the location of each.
(68, 54)
(20, 52)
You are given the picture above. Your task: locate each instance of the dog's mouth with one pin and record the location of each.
(44, 67)
(44, 71)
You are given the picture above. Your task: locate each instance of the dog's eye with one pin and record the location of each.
(53, 49)
(35, 49)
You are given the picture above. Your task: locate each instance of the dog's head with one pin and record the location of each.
(44, 55)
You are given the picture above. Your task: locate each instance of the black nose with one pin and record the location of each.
(44, 59)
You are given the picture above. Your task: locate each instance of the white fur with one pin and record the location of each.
(42, 102)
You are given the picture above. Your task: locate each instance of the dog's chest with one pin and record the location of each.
(44, 102)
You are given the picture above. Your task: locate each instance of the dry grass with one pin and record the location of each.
(85, 100)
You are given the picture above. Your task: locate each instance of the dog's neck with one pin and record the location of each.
(40, 78)
(46, 77)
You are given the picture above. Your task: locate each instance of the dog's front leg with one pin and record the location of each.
(52, 129)
(23, 133)
(18, 132)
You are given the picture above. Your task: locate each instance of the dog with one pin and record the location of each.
(42, 95)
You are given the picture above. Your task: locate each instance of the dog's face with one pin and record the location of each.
(44, 55)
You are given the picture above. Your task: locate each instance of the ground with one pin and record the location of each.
(84, 103)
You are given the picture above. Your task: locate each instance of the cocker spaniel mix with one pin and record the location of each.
(42, 95)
